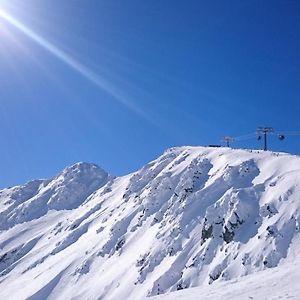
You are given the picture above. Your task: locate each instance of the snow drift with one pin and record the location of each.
(194, 216)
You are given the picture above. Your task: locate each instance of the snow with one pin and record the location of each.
(66, 191)
(224, 221)
(278, 283)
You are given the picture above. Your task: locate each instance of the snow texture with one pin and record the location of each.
(195, 217)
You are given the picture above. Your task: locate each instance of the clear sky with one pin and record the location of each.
(117, 82)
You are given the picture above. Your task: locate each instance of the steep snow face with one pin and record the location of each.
(194, 216)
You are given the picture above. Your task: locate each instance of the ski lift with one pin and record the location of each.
(259, 138)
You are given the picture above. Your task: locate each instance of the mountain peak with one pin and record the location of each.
(67, 190)
(82, 172)
(194, 216)
(83, 166)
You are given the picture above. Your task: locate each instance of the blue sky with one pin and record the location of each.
(171, 73)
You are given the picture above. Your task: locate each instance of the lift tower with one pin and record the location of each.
(264, 131)
(228, 139)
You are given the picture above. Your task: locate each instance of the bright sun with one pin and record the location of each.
(69, 60)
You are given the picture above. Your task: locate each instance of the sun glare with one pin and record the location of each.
(74, 64)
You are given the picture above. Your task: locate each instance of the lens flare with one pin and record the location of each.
(87, 73)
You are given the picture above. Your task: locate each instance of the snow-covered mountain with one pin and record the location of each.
(194, 216)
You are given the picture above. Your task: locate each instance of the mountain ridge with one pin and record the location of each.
(194, 216)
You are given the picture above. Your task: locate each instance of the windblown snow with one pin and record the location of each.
(196, 216)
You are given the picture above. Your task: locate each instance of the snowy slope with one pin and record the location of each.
(195, 216)
(277, 283)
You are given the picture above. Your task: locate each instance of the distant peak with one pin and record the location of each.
(84, 167)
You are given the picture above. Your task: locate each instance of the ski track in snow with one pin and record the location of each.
(195, 217)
